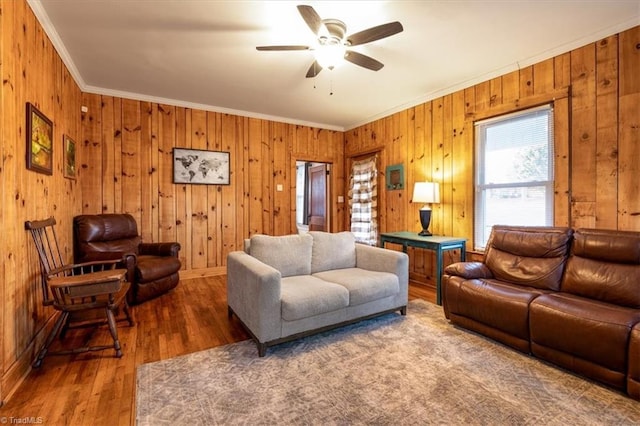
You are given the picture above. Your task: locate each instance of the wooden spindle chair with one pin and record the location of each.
(86, 294)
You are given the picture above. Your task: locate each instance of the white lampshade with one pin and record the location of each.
(426, 192)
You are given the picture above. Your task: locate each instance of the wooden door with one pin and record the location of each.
(318, 197)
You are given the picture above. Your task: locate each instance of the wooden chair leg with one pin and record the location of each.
(111, 319)
(62, 319)
(127, 313)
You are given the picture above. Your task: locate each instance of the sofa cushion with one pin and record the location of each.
(289, 254)
(304, 296)
(605, 265)
(582, 328)
(500, 305)
(363, 285)
(332, 251)
(528, 256)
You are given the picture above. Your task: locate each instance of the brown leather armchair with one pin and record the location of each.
(152, 268)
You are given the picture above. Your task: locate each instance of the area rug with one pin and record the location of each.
(417, 369)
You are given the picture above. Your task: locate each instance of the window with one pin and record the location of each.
(514, 171)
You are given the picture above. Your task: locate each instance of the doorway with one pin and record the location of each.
(312, 195)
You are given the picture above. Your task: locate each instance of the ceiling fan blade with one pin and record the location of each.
(363, 60)
(375, 33)
(311, 17)
(282, 47)
(314, 69)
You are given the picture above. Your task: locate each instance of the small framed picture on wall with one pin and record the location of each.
(69, 157)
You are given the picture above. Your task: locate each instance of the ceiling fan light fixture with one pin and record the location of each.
(330, 56)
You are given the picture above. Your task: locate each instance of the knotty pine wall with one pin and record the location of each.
(596, 93)
(127, 167)
(32, 72)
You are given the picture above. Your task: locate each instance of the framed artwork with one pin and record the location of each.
(395, 176)
(39, 141)
(69, 157)
(200, 166)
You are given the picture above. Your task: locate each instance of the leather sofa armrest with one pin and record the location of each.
(253, 293)
(129, 263)
(159, 249)
(469, 270)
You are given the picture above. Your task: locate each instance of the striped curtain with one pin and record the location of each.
(363, 201)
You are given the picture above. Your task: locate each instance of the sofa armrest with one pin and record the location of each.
(468, 270)
(384, 260)
(253, 293)
(159, 249)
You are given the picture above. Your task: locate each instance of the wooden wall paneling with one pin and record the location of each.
(199, 206)
(266, 170)
(526, 82)
(437, 164)
(510, 87)
(462, 170)
(90, 172)
(495, 91)
(131, 147)
(483, 95)
(118, 193)
(255, 177)
(470, 141)
(280, 169)
(562, 155)
(340, 182)
(163, 172)
(183, 236)
(562, 70)
(214, 194)
(583, 134)
(446, 188)
(543, 73)
(151, 136)
(607, 133)
(242, 189)
(232, 216)
(629, 131)
(110, 176)
(416, 169)
(8, 172)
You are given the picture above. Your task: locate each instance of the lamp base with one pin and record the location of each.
(425, 219)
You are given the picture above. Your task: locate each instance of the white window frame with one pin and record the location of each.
(481, 233)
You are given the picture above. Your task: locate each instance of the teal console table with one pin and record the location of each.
(436, 243)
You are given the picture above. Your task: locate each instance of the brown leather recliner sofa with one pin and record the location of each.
(152, 268)
(569, 297)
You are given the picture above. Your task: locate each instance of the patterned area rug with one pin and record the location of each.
(417, 369)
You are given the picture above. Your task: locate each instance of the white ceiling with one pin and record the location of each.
(201, 53)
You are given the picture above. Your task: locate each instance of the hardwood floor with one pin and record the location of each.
(98, 389)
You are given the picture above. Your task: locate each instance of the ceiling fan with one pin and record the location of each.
(333, 45)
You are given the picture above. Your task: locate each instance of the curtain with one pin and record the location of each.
(363, 200)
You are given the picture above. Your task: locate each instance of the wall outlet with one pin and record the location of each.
(279, 187)
(341, 198)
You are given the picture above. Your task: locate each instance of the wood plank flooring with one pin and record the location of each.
(98, 389)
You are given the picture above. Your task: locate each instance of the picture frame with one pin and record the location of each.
(395, 176)
(68, 157)
(39, 141)
(197, 166)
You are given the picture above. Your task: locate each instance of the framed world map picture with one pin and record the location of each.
(200, 166)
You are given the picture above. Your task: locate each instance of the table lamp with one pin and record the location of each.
(427, 193)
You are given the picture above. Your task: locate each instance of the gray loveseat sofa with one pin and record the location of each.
(283, 288)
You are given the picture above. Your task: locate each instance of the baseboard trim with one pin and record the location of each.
(203, 272)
